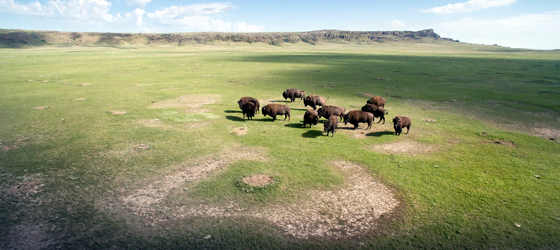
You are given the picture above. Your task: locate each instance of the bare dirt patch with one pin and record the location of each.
(151, 123)
(116, 112)
(239, 131)
(361, 131)
(85, 84)
(41, 107)
(258, 180)
(404, 147)
(80, 99)
(349, 210)
(144, 201)
(550, 133)
(193, 103)
(366, 95)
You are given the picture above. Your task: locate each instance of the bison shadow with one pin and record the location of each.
(232, 111)
(380, 133)
(286, 101)
(296, 125)
(312, 134)
(235, 118)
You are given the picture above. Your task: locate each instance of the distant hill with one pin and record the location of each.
(25, 38)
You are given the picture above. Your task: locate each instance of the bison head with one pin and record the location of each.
(346, 118)
(321, 112)
(396, 122)
(285, 94)
(264, 110)
(326, 126)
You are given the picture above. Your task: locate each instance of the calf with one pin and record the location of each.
(314, 101)
(249, 109)
(331, 124)
(276, 109)
(354, 117)
(400, 122)
(328, 110)
(377, 101)
(293, 94)
(376, 111)
(249, 99)
(310, 117)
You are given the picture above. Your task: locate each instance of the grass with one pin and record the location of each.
(470, 192)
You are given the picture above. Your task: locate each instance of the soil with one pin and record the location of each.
(404, 147)
(85, 84)
(193, 103)
(258, 180)
(239, 131)
(115, 112)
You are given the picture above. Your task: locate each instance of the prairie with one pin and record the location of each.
(145, 147)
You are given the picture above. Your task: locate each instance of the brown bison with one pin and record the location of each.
(328, 110)
(400, 122)
(354, 117)
(375, 111)
(314, 101)
(310, 117)
(331, 124)
(293, 94)
(249, 109)
(273, 110)
(377, 101)
(249, 99)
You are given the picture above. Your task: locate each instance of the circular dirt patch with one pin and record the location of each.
(258, 180)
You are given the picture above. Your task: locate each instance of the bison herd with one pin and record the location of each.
(374, 108)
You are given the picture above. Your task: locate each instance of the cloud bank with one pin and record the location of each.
(468, 6)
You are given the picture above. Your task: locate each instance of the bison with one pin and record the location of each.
(354, 117)
(328, 110)
(400, 122)
(314, 101)
(376, 111)
(293, 94)
(249, 109)
(249, 99)
(276, 109)
(310, 117)
(331, 124)
(377, 101)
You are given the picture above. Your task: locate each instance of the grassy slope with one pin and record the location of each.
(473, 198)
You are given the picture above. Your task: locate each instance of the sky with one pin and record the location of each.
(512, 23)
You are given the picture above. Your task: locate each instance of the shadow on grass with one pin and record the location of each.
(232, 111)
(312, 134)
(235, 118)
(380, 133)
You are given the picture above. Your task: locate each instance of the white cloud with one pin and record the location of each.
(190, 10)
(79, 10)
(528, 31)
(471, 5)
(135, 16)
(243, 27)
(397, 24)
(141, 3)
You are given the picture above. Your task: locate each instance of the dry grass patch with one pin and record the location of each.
(41, 107)
(549, 133)
(239, 131)
(80, 99)
(116, 112)
(349, 210)
(404, 147)
(85, 84)
(193, 103)
(144, 201)
(258, 180)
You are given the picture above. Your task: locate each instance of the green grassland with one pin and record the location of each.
(482, 173)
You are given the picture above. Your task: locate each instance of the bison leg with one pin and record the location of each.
(356, 125)
(340, 119)
(288, 116)
(334, 130)
(273, 118)
(407, 129)
(369, 125)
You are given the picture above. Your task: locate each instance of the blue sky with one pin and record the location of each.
(513, 23)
